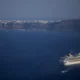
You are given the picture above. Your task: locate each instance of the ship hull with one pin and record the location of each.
(72, 63)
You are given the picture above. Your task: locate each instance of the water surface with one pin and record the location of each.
(35, 55)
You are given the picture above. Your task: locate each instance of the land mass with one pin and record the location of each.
(41, 25)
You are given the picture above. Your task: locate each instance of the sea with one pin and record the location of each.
(35, 55)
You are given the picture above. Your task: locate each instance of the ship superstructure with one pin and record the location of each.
(71, 60)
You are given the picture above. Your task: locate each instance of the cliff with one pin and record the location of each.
(34, 25)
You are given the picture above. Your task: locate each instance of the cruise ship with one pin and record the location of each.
(71, 60)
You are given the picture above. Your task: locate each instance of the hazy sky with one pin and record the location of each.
(39, 9)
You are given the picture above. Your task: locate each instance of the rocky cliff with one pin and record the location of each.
(63, 25)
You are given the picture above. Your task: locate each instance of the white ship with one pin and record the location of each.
(71, 60)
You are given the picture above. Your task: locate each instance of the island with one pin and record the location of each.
(41, 25)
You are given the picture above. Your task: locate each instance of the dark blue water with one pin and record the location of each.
(35, 55)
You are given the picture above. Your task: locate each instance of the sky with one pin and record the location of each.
(39, 9)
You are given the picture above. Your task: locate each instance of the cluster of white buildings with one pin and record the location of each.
(26, 21)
